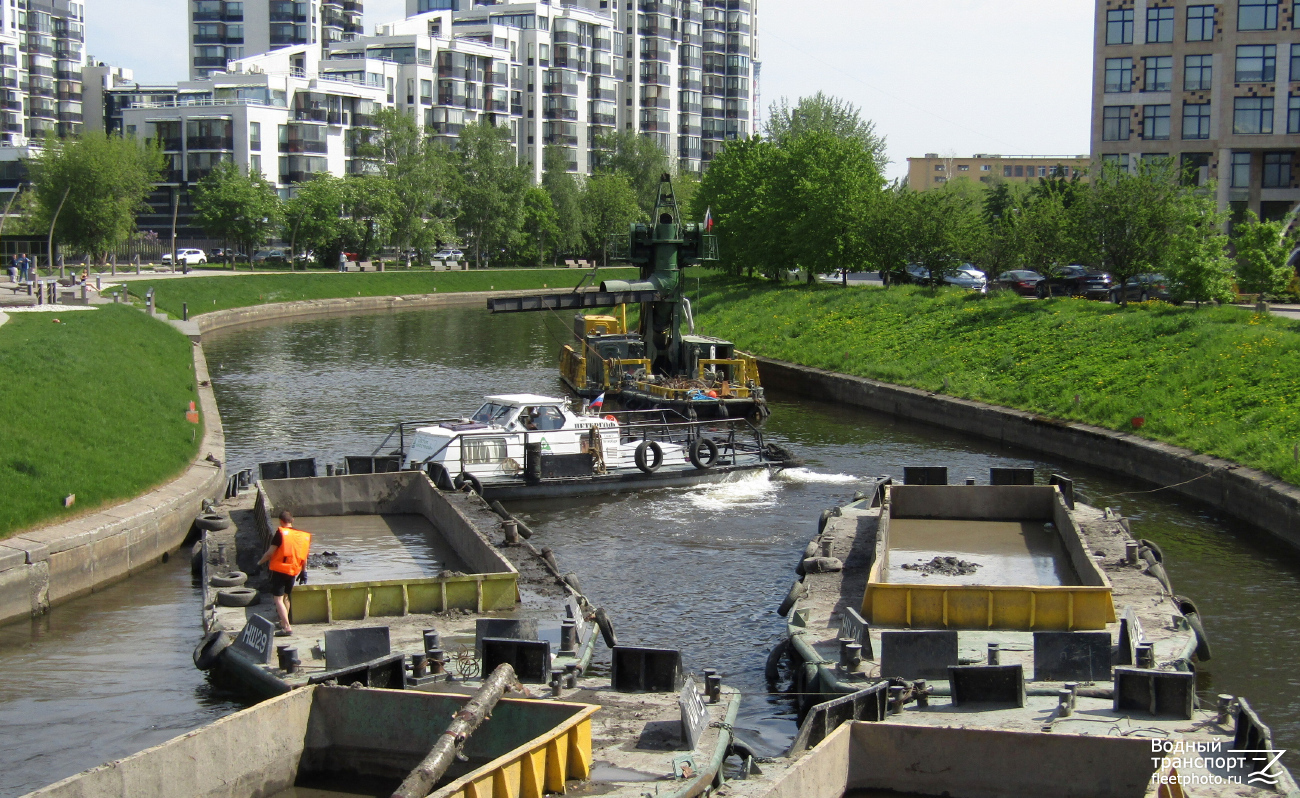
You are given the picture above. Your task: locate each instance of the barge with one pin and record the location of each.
(1001, 639)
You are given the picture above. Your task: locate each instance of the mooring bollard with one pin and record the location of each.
(1063, 703)
(995, 654)
(329, 469)
(1225, 708)
(712, 685)
(568, 637)
(571, 676)
(431, 641)
(1146, 655)
(1073, 687)
(1131, 552)
(419, 665)
(556, 684)
(511, 530)
(921, 692)
(288, 656)
(896, 699)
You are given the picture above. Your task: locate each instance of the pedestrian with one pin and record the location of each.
(24, 267)
(13, 268)
(287, 560)
(343, 261)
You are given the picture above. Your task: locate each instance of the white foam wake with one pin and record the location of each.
(803, 476)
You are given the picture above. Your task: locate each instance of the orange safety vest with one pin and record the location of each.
(291, 556)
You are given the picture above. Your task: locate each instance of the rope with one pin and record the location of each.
(1166, 487)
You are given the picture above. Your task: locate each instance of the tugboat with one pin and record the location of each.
(524, 446)
(655, 366)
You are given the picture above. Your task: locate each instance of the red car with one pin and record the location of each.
(1022, 281)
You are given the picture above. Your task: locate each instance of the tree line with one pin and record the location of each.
(809, 194)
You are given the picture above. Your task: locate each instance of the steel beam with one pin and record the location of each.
(570, 301)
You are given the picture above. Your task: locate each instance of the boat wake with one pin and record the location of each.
(804, 476)
(751, 490)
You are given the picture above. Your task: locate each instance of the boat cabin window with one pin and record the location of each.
(478, 451)
(541, 418)
(493, 413)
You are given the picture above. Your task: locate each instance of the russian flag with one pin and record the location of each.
(708, 219)
(599, 400)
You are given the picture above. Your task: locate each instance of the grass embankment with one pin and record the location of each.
(1220, 381)
(93, 405)
(206, 294)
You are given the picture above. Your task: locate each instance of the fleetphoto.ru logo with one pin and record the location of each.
(1231, 766)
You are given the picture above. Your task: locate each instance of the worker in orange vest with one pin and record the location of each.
(287, 558)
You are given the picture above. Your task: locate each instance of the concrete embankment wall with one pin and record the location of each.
(42, 567)
(1250, 495)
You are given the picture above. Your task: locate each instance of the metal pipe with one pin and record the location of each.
(994, 654)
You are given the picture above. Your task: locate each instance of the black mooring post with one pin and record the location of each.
(185, 311)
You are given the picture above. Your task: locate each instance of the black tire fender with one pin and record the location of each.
(606, 627)
(236, 596)
(773, 668)
(1155, 549)
(472, 481)
(694, 453)
(797, 591)
(233, 579)
(211, 522)
(209, 650)
(822, 520)
(649, 466)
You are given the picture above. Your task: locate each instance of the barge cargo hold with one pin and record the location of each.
(953, 682)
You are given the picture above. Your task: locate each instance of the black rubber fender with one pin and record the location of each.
(209, 650)
(1188, 608)
(196, 559)
(797, 591)
(1155, 548)
(233, 579)
(1158, 571)
(211, 522)
(694, 453)
(606, 627)
(772, 670)
(472, 481)
(236, 596)
(649, 466)
(823, 520)
(499, 509)
(439, 476)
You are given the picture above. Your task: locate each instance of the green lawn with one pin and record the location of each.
(206, 294)
(1221, 381)
(93, 405)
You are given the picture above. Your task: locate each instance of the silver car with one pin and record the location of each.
(970, 278)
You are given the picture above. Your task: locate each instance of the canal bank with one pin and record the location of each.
(1257, 498)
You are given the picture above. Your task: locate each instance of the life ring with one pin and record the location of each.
(233, 579)
(209, 649)
(472, 481)
(612, 418)
(703, 463)
(649, 466)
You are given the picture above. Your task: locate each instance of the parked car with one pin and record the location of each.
(1022, 281)
(186, 257)
(1141, 288)
(1076, 280)
(449, 254)
(269, 256)
(965, 277)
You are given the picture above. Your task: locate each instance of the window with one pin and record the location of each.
(1006, 171)
(963, 168)
(1295, 60)
(1160, 25)
(941, 180)
(985, 167)
(1195, 168)
(1119, 74)
(1119, 26)
(255, 164)
(1115, 122)
(255, 136)
(1277, 169)
(1293, 113)
(478, 451)
(1240, 170)
(1120, 160)
(938, 167)
(1159, 73)
(1200, 23)
(1198, 73)
(1020, 171)
(1257, 15)
(1256, 63)
(1155, 122)
(1196, 120)
(1252, 115)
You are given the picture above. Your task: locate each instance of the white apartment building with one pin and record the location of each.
(222, 31)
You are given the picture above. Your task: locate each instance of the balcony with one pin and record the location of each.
(209, 143)
(42, 113)
(559, 113)
(656, 102)
(170, 144)
(210, 61)
(297, 146)
(298, 177)
(69, 117)
(650, 127)
(173, 176)
(604, 119)
(568, 89)
(207, 16)
(288, 16)
(310, 115)
(69, 96)
(560, 141)
(693, 153)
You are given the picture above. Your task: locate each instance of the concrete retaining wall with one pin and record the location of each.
(42, 567)
(1245, 493)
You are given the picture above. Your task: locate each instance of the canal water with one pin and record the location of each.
(698, 569)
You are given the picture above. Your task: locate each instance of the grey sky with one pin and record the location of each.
(948, 76)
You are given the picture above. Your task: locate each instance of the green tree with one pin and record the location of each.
(609, 207)
(489, 188)
(823, 114)
(234, 207)
(95, 185)
(313, 218)
(886, 231)
(418, 171)
(1198, 267)
(945, 228)
(1126, 220)
(636, 157)
(1263, 249)
(1043, 234)
(822, 185)
(537, 237)
(736, 189)
(562, 187)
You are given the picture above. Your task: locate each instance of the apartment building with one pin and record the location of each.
(42, 52)
(1214, 86)
(935, 170)
(222, 31)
